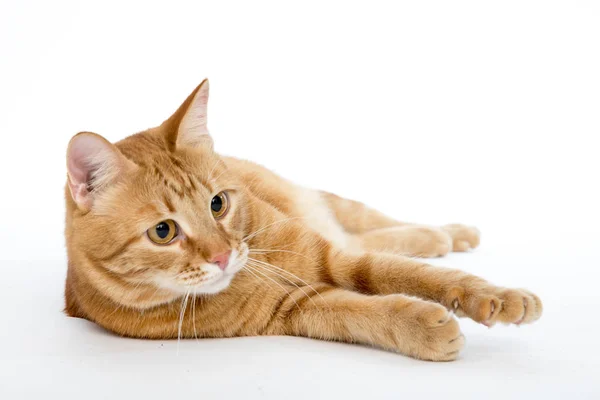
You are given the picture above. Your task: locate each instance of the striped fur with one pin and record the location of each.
(321, 266)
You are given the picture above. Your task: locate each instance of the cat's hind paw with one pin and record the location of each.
(464, 238)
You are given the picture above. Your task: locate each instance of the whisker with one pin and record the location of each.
(181, 315)
(258, 265)
(291, 274)
(255, 269)
(265, 227)
(261, 280)
(217, 178)
(253, 274)
(172, 166)
(262, 251)
(194, 314)
(213, 169)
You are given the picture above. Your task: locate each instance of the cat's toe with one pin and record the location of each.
(491, 305)
(464, 238)
(438, 334)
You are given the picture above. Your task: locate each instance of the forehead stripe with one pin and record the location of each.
(168, 204)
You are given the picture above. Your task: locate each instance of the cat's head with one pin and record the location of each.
(159, 208)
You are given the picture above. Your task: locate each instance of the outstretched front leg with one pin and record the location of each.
(375, 231)
(413, 327)
(465, 294)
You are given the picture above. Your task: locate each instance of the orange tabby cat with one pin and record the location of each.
(168, 239)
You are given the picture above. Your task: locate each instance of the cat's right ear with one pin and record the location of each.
(93, 163)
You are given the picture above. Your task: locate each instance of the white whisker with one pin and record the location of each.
(262, 251)
(292, 275)
(253, 274)
(257, 270)
(217, 178)
(194, 314)
(261, 280)
(213, 169)
(181, 315)
(265, 227)
(267, 268)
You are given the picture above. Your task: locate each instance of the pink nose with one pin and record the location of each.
(222, 260)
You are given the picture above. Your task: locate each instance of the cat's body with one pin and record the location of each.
(272, 259)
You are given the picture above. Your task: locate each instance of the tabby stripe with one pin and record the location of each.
(276, 310)
(173, 188)
(242, 309)
(168, 203)
(133, 272)
(310, 293)
(115, 253)
(323, 266)
(158, 172)
(192, 184)
(361, 277)
(176, 162)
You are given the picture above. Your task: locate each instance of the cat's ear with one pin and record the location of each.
(93, 163)
(187, 126)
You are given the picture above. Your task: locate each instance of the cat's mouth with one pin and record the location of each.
(238, 258)
(211, 278)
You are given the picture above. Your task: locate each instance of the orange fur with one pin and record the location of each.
(312, 264)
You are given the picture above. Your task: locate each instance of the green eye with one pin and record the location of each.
(163, 232)
(219, 205)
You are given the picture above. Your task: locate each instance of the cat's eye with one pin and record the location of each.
(219, 205)
(163, 232)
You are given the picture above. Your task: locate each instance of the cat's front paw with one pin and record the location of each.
(489, 305)
(463, 237)
(427, 331)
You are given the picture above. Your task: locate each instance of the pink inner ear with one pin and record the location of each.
(192, 129)
(82, 154)
(80, 194)
(78, 173)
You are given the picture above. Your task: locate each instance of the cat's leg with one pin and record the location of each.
(420, 241)
(411, 326)
(375, 231)
(410, 240)
(463, 293)
(357, 218)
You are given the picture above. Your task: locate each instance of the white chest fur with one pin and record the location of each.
(319, 217)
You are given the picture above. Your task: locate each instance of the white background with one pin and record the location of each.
(479, 112)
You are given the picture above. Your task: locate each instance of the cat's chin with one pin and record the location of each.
(214, 287)
(215, 282)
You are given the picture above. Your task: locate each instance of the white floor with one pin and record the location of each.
(44, 353)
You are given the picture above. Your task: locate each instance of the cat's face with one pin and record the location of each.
(160, 207)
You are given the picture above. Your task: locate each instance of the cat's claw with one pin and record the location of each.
(491, 305)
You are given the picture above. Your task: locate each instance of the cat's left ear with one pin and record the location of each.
(187, 126)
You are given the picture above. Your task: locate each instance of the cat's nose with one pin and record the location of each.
(222, 260)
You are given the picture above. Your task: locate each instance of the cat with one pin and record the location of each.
(167, 239)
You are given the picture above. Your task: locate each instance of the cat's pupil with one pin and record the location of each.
(162, 230)
(216, 204)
